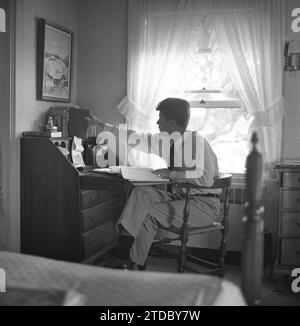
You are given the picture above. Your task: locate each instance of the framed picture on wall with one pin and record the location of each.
(54, 66)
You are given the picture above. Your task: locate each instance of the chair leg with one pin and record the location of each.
(223, 252)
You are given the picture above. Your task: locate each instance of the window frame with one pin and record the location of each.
(214, 104)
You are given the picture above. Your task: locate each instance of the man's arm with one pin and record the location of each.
(139, 141)
(100, 125)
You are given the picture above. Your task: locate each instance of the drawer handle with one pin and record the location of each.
(92, 197)
(298, 252)
(298, 224)
(298, 199)
(92, 219)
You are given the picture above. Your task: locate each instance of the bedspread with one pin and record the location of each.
(108, 287)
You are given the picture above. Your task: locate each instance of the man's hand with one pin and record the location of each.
(164, 173)
(94, 121)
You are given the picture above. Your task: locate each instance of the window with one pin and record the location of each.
(227, 130)
(225, 125)
(174, 52)
(216, 114)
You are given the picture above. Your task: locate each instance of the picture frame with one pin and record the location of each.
(54, 62)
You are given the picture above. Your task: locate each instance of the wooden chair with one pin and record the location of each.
(222, 182)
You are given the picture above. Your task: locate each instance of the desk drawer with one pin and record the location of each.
(91, 198)
(99, 238)
(291, 179)
(290, 252)
(102, 213)
(291, 199)
(290, 225)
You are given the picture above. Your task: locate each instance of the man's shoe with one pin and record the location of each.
(117, 263)
(123, 247)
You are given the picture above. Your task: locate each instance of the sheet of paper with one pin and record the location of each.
(77, 159)
(111, 170)
(77, 144)
(140, 174)
(77, 150)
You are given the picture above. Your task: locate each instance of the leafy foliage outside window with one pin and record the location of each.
(227, 131)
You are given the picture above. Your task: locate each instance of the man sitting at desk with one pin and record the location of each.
(149, 208)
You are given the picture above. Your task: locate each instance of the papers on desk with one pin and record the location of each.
(140, 174)
(110, 170)
(77, 150)
(132, 173)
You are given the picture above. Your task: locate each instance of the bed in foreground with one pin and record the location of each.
(107, 287)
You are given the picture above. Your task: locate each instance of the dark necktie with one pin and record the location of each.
(171, 165)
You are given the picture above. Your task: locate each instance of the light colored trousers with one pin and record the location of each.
(147, 209)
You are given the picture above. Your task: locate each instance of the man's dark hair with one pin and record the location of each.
(175, 109)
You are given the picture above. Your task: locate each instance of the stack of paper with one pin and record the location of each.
(140, 174)
(111, 170)
(132, 173)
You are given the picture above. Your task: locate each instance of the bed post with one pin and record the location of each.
(252, 255)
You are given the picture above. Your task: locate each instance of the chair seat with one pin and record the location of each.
(198, 230)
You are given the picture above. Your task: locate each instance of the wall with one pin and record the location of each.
(101, 30)
(28, 111)
(291, 130)
(4, 118)
(102, 56)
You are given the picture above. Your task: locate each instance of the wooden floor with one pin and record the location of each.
(233, 274)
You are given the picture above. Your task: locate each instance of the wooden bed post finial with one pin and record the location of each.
(252, 256)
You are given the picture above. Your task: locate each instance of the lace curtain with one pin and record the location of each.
(246, 36)
(160, 37)
(251, 35)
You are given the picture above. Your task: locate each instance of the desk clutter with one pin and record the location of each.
(67, 128)
(69, 120)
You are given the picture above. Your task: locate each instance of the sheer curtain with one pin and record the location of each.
(246, 35)
(251, 39)
(160, 34)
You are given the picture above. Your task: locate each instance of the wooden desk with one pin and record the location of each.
(67, 214)
(110, 182)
